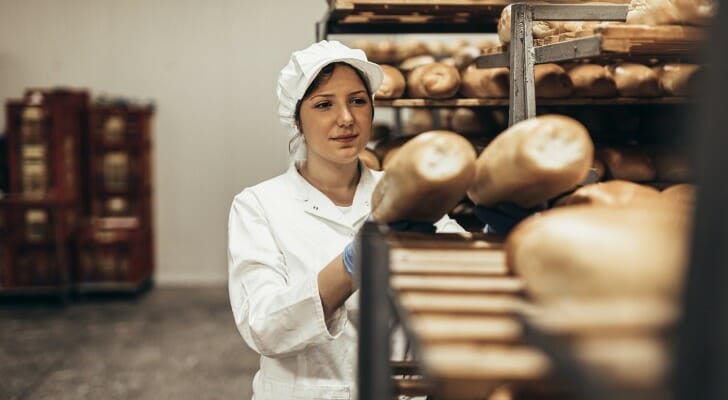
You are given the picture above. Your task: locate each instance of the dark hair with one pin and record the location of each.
(323, 76)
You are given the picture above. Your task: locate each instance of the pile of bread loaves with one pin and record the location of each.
(606, 258)
(425, 76)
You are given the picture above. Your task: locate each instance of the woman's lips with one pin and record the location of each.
(345, 138)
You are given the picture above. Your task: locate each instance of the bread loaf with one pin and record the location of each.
(370, 159)
(426, 178)
(551, 81)
(451, 48)
(683, 193)
(540, 29)
(628, 164)
(671, 12)
(532, 161)
(679, 79)
(383, 52)
(393, 84)
(411, 63)
(389, 156)
(591, 80)
(418, 121)
(612, 193)
(587, 253)
(485, 82)
(433, 81)
(635, 80)
(468, 122)
(671, 166)
(466, 56)
(411, 48)
(383, 147)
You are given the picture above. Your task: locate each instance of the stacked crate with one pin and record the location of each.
(115, 245)
(45, 132)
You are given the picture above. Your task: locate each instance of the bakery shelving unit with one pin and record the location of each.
(404, 276)
(605, 42)
(406, 16)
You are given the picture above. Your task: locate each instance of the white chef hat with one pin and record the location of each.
(305, 65)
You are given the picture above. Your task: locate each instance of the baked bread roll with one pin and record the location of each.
(391, 152)
(679, 79)
(419, 120)
(628, 164)
(532, 161)
(393, 84)
(433, 81)
(591, 80)
(551, 81)
(468, 122)
(411, 63)
(585, 253)
(683, 193)
(578, 27)
(411, 48)
(635, 80)
(671, 166)
(451, 48)
(383, 52)
(540, 29)
(466, 56)
(611, 193)
(426, 178)
(383, 147)
(370, 159)
(485, 82)
(671, 12)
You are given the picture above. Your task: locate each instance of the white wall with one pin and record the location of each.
(210, 67)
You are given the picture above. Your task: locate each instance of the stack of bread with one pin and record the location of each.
(603, 266)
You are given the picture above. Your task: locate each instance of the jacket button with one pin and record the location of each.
(315, 207)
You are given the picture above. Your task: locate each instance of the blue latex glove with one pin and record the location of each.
(400, 226)
(504, 216)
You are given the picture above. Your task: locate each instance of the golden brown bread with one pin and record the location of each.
(468, 122)
(425, 179)
(433, 81)
(635, 80)
(411, 48)
(408, 64)
(551, 81)
(671, 166)
(589, 253)
(628, 164)
(465, 56)
(679, 79)
(540, 29)
(684, 193)
(369, 158)
(485, 82)
(383, 52)
(611, 193)
(591, 80)
(418, 121)
(671, 12)
(393, 84)
(532, 161)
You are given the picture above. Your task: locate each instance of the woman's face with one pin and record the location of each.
(336, 119)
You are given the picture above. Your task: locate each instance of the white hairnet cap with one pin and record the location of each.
(305, 65)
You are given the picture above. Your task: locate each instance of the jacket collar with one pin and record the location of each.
(316, 203)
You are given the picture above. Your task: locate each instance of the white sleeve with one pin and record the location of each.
(448, 225)
(275, 318)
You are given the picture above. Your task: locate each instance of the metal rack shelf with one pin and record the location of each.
(407, 16)
(571, 101)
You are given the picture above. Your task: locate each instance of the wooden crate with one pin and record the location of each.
(109, 256)
(45, 131)
(120, 171)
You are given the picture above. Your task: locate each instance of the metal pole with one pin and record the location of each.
(374, 315)
(522, 90)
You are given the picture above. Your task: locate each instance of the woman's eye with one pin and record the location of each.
(323, 104)
(359, 100)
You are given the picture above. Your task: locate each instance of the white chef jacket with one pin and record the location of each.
(281, 233)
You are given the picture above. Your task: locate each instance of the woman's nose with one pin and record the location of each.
(345, 117)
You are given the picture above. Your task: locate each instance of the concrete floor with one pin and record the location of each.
(165, 344)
